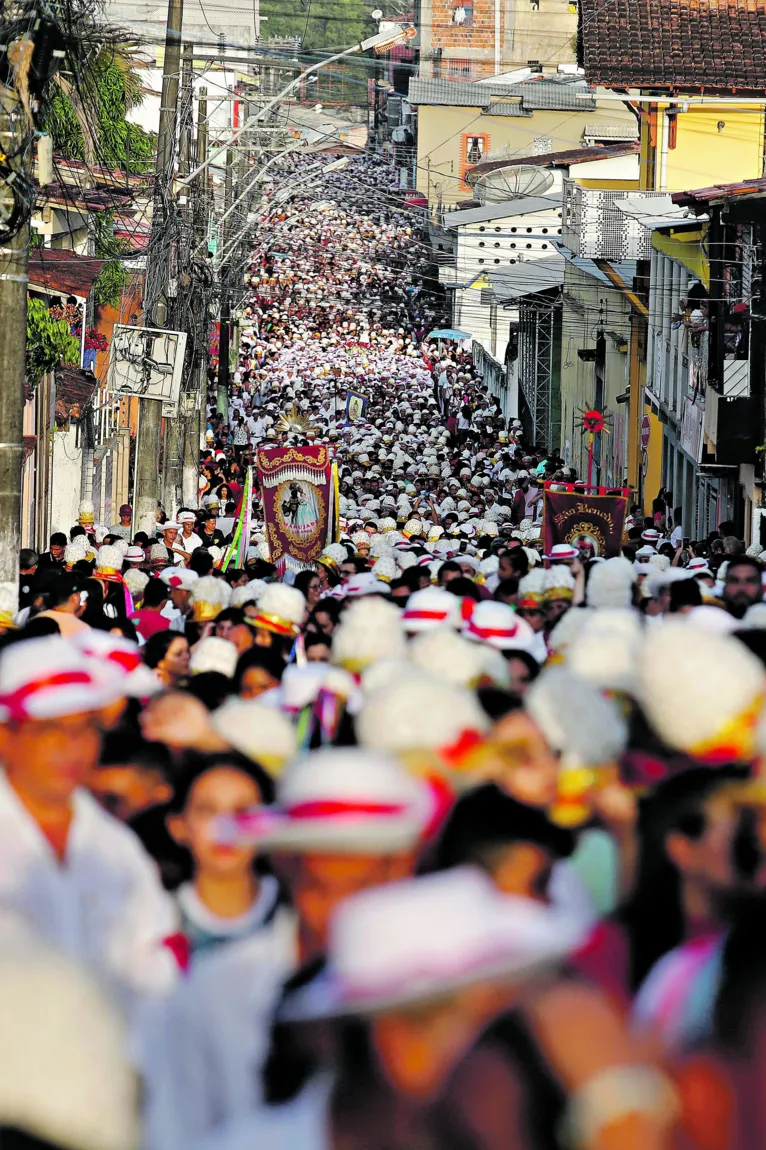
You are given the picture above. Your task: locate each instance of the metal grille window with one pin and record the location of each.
(460, 69)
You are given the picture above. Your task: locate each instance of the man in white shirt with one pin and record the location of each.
(79, 879)
(260, 427)
(179, 581)
(188, 540)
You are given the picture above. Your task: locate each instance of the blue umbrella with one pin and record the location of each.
(449, 333)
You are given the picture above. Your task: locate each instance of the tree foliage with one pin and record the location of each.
(110, 284)
(85, 111)
(49, 342)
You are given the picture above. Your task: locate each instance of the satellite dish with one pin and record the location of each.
(512, 183)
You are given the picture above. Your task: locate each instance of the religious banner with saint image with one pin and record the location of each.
(593, 523)
(298, 503)
(356, 405)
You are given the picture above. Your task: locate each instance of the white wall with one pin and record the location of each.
(67, 477)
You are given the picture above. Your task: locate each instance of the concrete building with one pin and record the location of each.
(461, 126)
(465, 40)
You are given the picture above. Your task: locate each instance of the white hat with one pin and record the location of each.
(385, 569)
(606, 648)
(498, 625)
(610, 584)
(49, 677)
(179, 578)
(281, 610)
(419, 712)
(73, 552)
(754, 618)
(159, 553)
(369, 630)
(214, 654)
(343, 799)
(586, 728)
(711, 617)
(65, 1074)
(120, 655)
(408, 942)
(208, 597)
(135, 555)
(300, 686)
(702, 692)
(186, 517)
(364, 583)
(86, 511)
(109, 558)
(250, 593)
(135, 581)
(260, 732)
(664, 577)
(562, 551)
(444, 653)
(431, 607)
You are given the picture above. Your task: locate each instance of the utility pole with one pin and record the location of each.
(225, 332)
(13, 343)
(158, 263)
(199, 362)
(175, 427)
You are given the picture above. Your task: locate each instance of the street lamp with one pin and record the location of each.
(380, 42)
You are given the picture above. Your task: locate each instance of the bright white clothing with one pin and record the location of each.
(177, 618)
(205, 929)
(104, 905)
(302, 1124)
(187, 545)
(207, 1043)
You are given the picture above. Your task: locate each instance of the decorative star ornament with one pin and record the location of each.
(293, 422)
(592, 421)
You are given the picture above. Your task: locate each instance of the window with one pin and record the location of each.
(460, 69)
(473, 151)
(542, 145)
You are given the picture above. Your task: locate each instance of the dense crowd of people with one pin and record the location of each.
(440, 842)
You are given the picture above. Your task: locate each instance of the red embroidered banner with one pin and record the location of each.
(296, 486)
(584, 521)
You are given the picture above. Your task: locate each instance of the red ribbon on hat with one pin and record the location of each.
(127, 661)
(467, 741)
(15, 700)
(329, 808)
(492, 632)
(467, 608)
(437, 616)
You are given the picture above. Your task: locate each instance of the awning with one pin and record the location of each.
(448, 333)
(527, 278)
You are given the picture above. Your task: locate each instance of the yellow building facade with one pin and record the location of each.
(686, 143)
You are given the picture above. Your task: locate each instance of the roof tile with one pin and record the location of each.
(679, 45)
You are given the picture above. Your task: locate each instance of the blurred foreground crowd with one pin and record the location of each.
(443, 843)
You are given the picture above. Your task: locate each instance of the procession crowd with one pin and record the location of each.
(441, 842)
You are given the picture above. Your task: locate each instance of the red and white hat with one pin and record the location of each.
(429, 608)
(135, 555)
(179, 578)
(48, 678)
(500, 626)
(123, 656)
(562, 553)
(342, 799)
